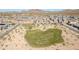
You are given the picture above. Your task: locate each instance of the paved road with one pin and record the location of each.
(72, 28)
(9, 30)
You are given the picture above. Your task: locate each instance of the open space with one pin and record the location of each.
(39, 38)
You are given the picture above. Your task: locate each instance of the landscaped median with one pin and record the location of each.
(39, 38)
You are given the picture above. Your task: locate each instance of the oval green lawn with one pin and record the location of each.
(38, 38)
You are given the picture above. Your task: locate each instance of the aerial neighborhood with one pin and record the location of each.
(39, 30)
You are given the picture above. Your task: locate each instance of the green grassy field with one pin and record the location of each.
(38, 38)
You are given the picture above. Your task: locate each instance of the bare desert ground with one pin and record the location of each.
(15, 40)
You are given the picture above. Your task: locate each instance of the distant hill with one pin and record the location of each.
(42, 12)
(64, 12)
(72, 10)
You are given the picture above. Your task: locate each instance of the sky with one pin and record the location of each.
(7, 10)
(54, 9)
